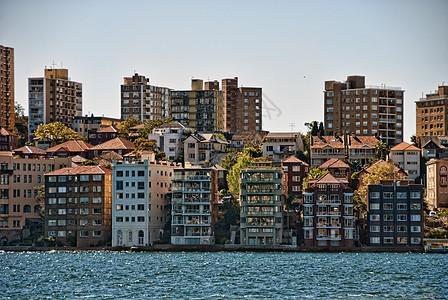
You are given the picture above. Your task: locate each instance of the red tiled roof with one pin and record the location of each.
(108, 129)
(356, 142)
(333, 163)
(115, 144)
(405, 146)
(81, 170)
(328, 178)
(293, 159)
(137, 127)
(30, 150)
(71, 146)
(3, 131)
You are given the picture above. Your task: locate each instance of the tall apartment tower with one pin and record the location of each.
(143, 101)
(353, 107)
(53, 98)
(200, 109)
(431, 114)
(242, 106)
(7, 116)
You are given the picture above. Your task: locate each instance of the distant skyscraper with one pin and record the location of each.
(431, 116)
(7, 116)
(353, 107)
(143, 101)
(53, 98)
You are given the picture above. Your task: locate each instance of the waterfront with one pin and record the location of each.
(222, 275)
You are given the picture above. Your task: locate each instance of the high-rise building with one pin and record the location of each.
(53, 98)
(7, 116)
(142, 100)
(353, 107)
(200, 109)
(431, 114)
(437, 183)
(242, 106)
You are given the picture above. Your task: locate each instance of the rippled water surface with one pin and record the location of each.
(123, 275)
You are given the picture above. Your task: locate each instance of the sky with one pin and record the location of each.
(289, 48)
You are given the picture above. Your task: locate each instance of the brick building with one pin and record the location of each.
(7, 112)
(294, 171)
(431, 113)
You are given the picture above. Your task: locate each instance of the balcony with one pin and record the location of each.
(329, 237)
(187, 189)
(331, 202)
(329, 213)
(191, 177)
(328, 225)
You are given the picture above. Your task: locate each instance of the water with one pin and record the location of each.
(124, 275)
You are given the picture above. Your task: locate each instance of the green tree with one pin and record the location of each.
(228, 161)
(253, 152)
(144, 144)
(21, 125)
(123, 128)
(381, 150)
(234, 175)
(55, 133)
(415, 141)
(321, 128)
(150, 125)
(314, 173)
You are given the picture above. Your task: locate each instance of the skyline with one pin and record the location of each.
(288, 50)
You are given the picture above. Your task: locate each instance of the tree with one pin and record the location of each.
(123, 128)
(56, 133)
(21, 125)
(381, 150)
(313, 127)
(150, 125)
(234, 175)
(415, 141)
(145, 144)
(228, 161)
(321, 128)
(314, 173)
(253, 152)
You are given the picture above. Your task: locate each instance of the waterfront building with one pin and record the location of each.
(83, 125)
(169, 138)
(242, 107)
(339, 169)
(7, 112)
(201, 149)
(53, 98)
(294, 172)
(395, 214)
(19, 205)
(69, 148)
(328, 214)
(200, 109)
(144, 101)
(353, 107)
(194, 206)
(261, 217)
(281, 145)
(431, 113)
(355, 148)
(8, 140)
(78, 206)
(407, 157)
(141, 189)
(437, 183)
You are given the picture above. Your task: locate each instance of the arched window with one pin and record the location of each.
(443, 171)
(119, 238)
(27, 208)
(130, 236)
(141, 236)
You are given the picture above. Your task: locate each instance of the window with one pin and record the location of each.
(374, 240)
(416, 229)
(402, 229)
(388, 228)
(96, 200)
(374, 228)
(374, 206)
(416, 240)
(375, 195)
(402, 217)
(308, 234)
(415, 218)
(96, 177)
(402, 195)
(388, 240)
(402, 240)
(84, 233)
(402, 206)
(388, 206)
(388, 195)
(388, 217)
(415, 206)
(84, 178)
(415, 195)
(374, 217)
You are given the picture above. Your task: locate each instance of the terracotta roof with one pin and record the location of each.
(171, 125)
(81, 170)
(108, 129)
(405, 146)
(115, 144)
(293, 159)
(30, 150)
(78, 159)
(356, 142)
(328, 178)
(333, 163)
(110, 155)
(137, 127)
(3, 131)
(71, 146)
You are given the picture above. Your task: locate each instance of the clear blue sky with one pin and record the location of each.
(289, 48)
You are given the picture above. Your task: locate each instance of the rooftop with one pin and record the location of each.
(91, 170)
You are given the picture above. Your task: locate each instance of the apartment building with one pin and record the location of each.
(140, 201)
(119, 145)
(339, 169)
(8, 140)
(328, 214)
(200, 109)
(69, 148)
(395, 214)
(354, 147)
(53, 98)
(83, 124)
(169, 139)
(97, 137)
(280, 145)
(78, 206)
(434, 146)
(261, 217)
(294, 172)
(7, 112)
(353, 107)
(437, 183)
(194, 206)
(407, 156)
(431, 113)
(144, 101)
(202, 149)
(242, 107)
(19, 205)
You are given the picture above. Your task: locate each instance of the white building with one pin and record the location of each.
(169, 139)
(139, 210)
(407, 157)
(281, 145)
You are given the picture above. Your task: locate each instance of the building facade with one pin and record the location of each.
(202, 149)
(431, 113)
(294, 172)
(328, 214)
(7, 112)
(395, 214)
(169, 139)
(261, 217)
(353, 107)
(83, 124)
(281, 145)
(144, 101)
(407, 157)
(437, 183)
(78, 206)
(194, 206)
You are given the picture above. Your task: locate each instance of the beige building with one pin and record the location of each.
(7, 114)
(204, 149)
(407, 157)
(142, 100)
(353, 107)
(82, 124)
(437, 183)
(200, 109)
(53, 98)
(280, 145)
(431, 113)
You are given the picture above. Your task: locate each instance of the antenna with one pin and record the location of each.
(61, 64)
(292, 125)
(53, 64)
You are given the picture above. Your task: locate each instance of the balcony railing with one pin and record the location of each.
(191, 177)
(333, 202)
(329, 213)
(328, 237)
(328, 225)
